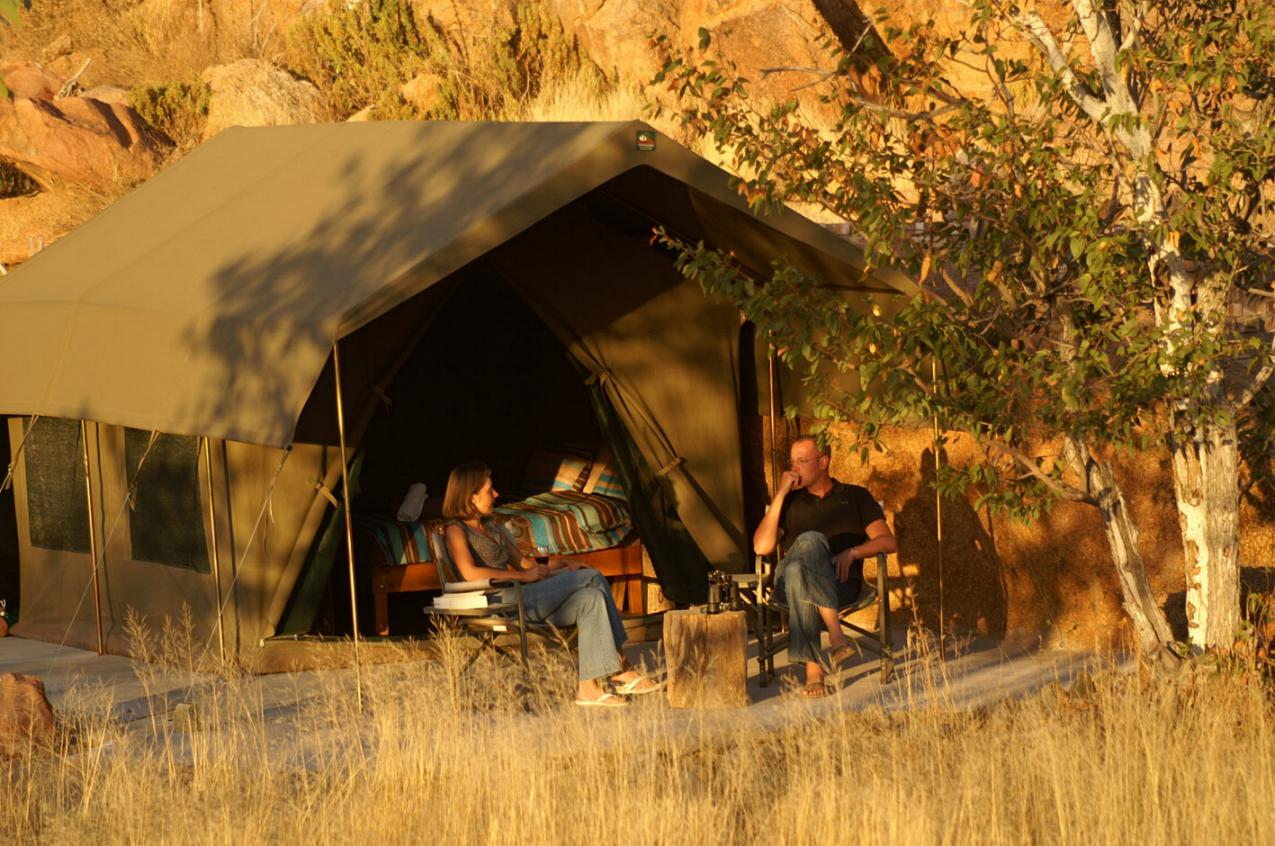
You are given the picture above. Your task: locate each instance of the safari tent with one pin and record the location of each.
(178, 350)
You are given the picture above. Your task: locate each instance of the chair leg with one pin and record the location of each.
(522, 628)
(766, 646)
(485, 641)
(884, 633)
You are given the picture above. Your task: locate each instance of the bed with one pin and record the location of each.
(591, 527)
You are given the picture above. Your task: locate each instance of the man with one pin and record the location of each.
(830, 528)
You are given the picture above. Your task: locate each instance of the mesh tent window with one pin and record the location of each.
(167, 524)
(56, 511)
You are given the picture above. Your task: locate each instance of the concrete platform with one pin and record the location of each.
(976, 674)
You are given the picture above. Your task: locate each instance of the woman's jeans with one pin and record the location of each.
(580, 598)
(805, 582)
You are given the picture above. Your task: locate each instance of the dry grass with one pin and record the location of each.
(484, 758)
(132, 42)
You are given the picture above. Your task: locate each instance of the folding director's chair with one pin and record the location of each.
(488, 624)
(757, 589)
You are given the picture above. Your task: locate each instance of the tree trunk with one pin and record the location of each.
(1150, 626)
(1206, 481)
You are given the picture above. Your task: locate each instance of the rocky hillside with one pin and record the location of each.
(101, 95)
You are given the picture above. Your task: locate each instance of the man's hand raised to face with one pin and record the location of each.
(787, 481)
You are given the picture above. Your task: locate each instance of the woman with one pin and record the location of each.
(566, 593)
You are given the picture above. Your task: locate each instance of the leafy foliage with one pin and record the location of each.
(9, 10)
(1046, 322)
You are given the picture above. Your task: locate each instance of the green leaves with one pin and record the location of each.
(1021, 214)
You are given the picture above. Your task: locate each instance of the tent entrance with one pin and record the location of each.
(488, 381)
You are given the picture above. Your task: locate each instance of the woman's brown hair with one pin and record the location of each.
(464, 481)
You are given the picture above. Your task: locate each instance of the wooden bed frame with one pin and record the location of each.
(622, 565)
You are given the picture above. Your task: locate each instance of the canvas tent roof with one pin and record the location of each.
(207, 301)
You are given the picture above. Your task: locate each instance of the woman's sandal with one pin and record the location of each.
(633, 687)
(816, 690)
(606, 700)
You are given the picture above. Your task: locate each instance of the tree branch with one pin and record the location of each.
(1042, 38)
(1260, 378)
(1060, 488)
(1103, 48)
(866, 104)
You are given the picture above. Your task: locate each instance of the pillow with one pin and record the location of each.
(562, 469)
(604, 477)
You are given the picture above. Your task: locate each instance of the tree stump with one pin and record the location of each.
(706, 658)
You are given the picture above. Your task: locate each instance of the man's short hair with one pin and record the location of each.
(824, 449)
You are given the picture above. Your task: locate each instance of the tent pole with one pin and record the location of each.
(349, 525)
(216, 567)
(774, 447)
(88, 494)
(938, 508)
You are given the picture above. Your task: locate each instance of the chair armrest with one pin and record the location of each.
(478, 584)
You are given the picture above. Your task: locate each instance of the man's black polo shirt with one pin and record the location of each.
(842, 514)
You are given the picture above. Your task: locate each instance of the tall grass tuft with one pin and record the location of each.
(491, 756)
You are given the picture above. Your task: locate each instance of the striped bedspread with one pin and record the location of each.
(566, 522)
(398, 543)
(555, 523)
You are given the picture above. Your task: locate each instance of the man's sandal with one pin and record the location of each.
(606, 700)
(842, 654)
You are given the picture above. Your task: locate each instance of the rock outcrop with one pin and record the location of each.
(107, 94)
(79, 141)
(253, 92)
(30, 80)
(755, 34)
(26, 718)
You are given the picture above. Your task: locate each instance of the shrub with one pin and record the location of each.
(361, 55)
(521, 60)
(177, 109)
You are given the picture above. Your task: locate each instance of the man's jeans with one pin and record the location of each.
(805, 582)
(580, 598)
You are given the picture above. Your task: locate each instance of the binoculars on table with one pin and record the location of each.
(723, 593)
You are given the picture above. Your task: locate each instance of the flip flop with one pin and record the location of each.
(606, 700)
(631, 688)
(816, 690)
